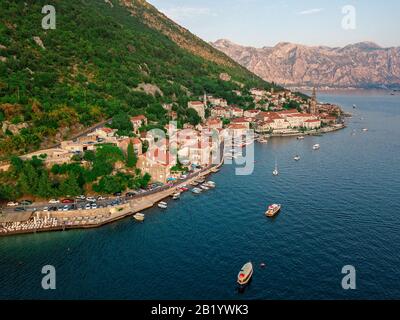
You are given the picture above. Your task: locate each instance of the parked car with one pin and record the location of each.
(81, 197)
(18, 209)
(94, 206)
(88, 206)
(54, 201)
(91, 199)
(130, 194)
(66, 208)
(53, 209)
(100, 198)
(12, 204)
(26, 202)
(45, 209)
(67, 201)
(117, 194)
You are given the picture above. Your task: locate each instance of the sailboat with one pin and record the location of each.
(276, 171)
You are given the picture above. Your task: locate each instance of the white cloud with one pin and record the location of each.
(311, 11)
(178, 13)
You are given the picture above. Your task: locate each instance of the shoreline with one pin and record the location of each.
(117, 213)
(97, 218)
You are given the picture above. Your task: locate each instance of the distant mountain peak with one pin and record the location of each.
(363, 64)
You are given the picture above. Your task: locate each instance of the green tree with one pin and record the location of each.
(131, 156)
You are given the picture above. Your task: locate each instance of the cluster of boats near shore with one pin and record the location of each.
(199, 185)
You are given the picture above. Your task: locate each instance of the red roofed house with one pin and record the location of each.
(312, 124)
(137, 145)
(237, 112)
(214, 123)
(242, 121)
(137, 122)
(251, 113)
(158, 163)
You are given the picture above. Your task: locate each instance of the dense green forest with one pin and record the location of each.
(90, 68)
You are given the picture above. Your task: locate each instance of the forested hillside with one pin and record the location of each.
(103, 58)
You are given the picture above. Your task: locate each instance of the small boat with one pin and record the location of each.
(296, 158)
(176, 196)
(245, 274)
(197, 190)
(139, 216)
(272, 210)
(211, 184)
(276, 171)
(184, 189)
(365, 130)
(163, 205)
(316, 147)
(204, 187)
(354, 106)
(300, 138)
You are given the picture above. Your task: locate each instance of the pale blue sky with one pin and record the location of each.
(267, 22)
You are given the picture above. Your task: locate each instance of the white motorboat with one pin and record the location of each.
(276, 171)
(211, 184)
(197, 190)
(163, 205)
(245, 274)
(316, 147)
(296, 158)
(139, 216)
(176, 196)
(272, 210)
(300, 138)
(204, 187)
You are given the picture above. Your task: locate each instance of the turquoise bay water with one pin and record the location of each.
(340, 207)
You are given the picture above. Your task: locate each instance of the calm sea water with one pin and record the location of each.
(340, 207)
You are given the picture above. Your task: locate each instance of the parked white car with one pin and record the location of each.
(91, 199)
(12, 204)
(54, 201)
(100, 198)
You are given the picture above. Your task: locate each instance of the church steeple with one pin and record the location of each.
(313, 102)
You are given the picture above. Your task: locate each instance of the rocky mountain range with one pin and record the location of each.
(360, 65)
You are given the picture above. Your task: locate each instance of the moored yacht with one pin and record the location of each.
(296, 158)
(272, 210)
(316, 146)
(204, 187)
(245, 274)
(163, 205)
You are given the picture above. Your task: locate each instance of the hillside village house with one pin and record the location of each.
(221, 112)
(218, 102)
(137, 122)
(251, 113)
(242, 121)
(78, 146)
(199, 107)
(124, 143)
(102, 133)
(214, 123)
(236, 112)
(312, 124)
(197, 153)
(158, 163)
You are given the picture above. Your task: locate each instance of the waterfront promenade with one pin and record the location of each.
(41, 221)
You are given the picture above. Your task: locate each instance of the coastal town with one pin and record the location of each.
(174, 159)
